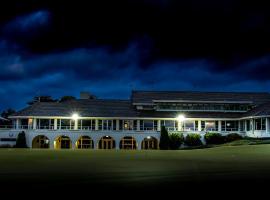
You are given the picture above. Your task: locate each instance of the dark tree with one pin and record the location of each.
(67, 98)
(5, 114)
(164, 139)
(21, 140)
(41, 99)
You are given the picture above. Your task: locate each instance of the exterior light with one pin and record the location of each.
(75, 116)
(148, 137)
(181, 118)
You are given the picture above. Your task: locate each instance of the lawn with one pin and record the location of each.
(152, 169)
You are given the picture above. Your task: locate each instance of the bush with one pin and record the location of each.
(164, 139)
(21, 140)
(214, 138)
(193, 139)
(5, 146)
(232, 137)
(176, 140)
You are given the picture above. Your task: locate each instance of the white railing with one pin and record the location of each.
(6, 127)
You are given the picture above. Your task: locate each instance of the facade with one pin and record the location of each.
(136, 123)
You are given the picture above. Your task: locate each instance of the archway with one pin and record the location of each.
(41, 142)
(106, 142)
(128, 143)
(62, 142)
(85, 142)
(150, 143)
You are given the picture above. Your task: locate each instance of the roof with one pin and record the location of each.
(85, 108)
(3, 119)
(174, 114)
(261, 110)
(148, 97)
(124, 108)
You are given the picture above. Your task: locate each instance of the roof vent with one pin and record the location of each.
(87, 95)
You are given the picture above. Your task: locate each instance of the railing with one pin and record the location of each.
(6, 126)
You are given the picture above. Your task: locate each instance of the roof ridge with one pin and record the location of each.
(196, 91)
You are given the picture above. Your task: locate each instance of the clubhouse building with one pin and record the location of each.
(135, 123)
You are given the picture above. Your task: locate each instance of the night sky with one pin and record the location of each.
(111, 47)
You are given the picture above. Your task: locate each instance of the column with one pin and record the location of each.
(239, 124)
(179, 128)
(138, 125)
(117, 124)
(267, 124)
(139, 143)
(117, 144)
(55, 124)
(245, 123)
(76, 124)
(199, 125)
(34, 123)
(219, 125)
(96, 125)
(51, 143)
(18, 123)
(158, 125)
(252, 124)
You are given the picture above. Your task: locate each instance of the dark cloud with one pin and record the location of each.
(110, 47)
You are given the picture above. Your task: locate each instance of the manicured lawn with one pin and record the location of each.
(134, 168)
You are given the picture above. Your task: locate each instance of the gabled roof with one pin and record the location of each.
(148, 97)
(84, 107)
(3, 119)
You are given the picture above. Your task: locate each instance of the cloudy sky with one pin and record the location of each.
(111, 47)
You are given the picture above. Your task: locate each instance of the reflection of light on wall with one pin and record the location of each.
(125, 125)
(30, 121)
(210, 123)
(54, 144)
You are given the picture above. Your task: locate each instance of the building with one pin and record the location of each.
(135, 123)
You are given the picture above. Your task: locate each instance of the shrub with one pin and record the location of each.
(21, 140)
(193, 139)
(176, 140)
(214, 138)
(232, 137)
(164, 139)
(5, 146)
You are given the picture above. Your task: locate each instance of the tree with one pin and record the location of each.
(176, 140)
(67, 98)
(41, 99)
(21, 140)
(164, 139)
(5, 114)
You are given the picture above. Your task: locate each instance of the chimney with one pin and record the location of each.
(87, 95)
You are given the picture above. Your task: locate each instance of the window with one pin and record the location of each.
(248, 125)
(229, 125)
(242, 125)
(203, 125)
(169, 124)
(189, 126)
(260, 124)
(148, 124)
(210, 126)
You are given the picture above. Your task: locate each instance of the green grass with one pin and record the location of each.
(133, 168)
(247, 141)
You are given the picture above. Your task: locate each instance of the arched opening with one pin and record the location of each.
(150, 143)
(85, 142)
(106, 142)
(41, 142)
(128, 143)
(62, 142)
